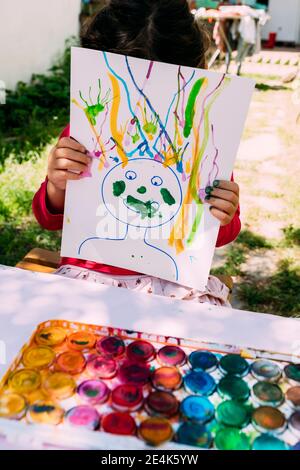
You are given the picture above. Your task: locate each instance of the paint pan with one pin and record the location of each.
(161, 404)
(197, 409)
(94, 392)
(119, 423)
(155, 431)
(127, 397)
(171, 356)
(166, 379)
(199, 383)
(203, 360)
(83, 416)
(59, 385)
(234, 364)
(70, 362)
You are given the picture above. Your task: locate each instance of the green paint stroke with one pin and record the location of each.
(196, 223)
(135, 138)
(150, 128)
(198, 160)
(167, 197)
(92, 111)
(146, 209)
(190, 107)
(142, 190)
(119, 188)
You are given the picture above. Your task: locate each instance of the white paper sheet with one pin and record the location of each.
(159, 135)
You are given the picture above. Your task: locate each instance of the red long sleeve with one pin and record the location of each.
(51, 221)
(42, 214)
(230, 232)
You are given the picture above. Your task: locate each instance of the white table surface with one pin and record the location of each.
(27, 299)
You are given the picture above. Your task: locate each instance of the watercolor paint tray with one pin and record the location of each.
(160, 390)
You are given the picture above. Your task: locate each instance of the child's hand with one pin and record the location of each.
(223, 197)
(67, 161)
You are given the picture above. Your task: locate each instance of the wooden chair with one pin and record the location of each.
(44, 261)
(39, 260)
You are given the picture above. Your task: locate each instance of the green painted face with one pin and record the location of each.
(119, 188)
(145, 208)
(167, 196)
(142, 190)
(144, 193)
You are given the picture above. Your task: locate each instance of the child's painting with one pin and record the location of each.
(158, 134)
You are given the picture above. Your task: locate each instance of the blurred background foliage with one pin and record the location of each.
(35, 112)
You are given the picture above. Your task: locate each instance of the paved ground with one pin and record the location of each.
(275, 65)
(268, 169)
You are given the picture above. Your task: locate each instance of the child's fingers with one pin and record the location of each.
(67, 175)
(224, 218)
(222, 205)
(229, 196)
(69, 165)
(61, 176)
(73, 155)
(67, 142)
(227, 185)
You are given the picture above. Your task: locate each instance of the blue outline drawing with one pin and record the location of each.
(146, 228)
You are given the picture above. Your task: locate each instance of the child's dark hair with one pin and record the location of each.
(162, 30)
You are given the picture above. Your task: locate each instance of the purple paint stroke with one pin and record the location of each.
(205, 100)
(202, 164)
(182, 121)
(200, 193)
(163, 129)
(104, 121)
(215, 165)
(150, 70)
(129, 129)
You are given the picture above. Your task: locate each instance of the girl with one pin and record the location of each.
(162, 30)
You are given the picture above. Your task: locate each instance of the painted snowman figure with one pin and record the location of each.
(141, 195)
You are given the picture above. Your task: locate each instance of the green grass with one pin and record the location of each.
(266, 87)
(235, 257)
(278, 294)
(19, 237)
(253, 241)
(291, 236)
(36, 112)
(257, 77)
(237, 252)
(19, 232)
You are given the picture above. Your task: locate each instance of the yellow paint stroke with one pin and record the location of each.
(188, 167)
(144, 117)
(98, 138)
(117, 134)
(180, 229)
(179, 140)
